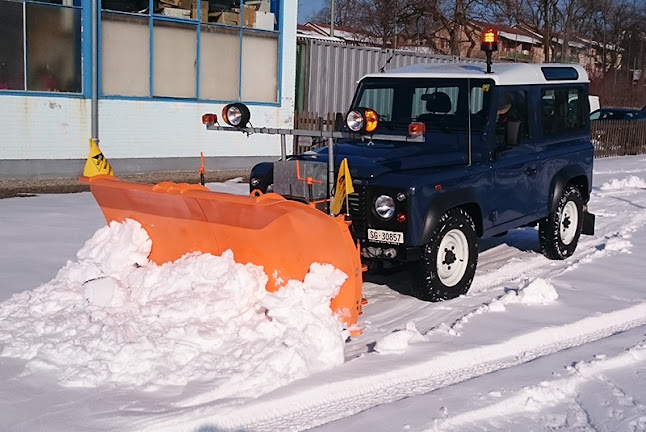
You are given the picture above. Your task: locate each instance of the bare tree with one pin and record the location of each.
(346, 13)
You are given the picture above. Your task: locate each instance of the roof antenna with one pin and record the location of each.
(383, 68)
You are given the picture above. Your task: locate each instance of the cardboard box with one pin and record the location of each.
(228, 18)
(248, 17)
(175, 3)
(259, 5)
(265, 20)
(182, 4)
(204, 11)
(176, 12)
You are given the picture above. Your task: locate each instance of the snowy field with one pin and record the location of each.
(93, 337)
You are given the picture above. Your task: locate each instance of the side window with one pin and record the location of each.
(380, 100)
(436, 100)
(562, 110)
(512, 122)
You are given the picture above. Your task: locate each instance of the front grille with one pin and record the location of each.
(358, 207)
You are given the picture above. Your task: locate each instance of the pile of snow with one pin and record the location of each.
(397, 342)
(631, 182)
(113, 317)
(539, 291)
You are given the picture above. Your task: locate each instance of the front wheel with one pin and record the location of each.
(560, 231)
(449, 260)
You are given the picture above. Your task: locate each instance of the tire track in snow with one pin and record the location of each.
(550, 393)
(488, 286)
(299, 410)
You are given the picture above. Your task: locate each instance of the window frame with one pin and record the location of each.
(153, 17)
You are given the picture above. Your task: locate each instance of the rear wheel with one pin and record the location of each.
(449, 260)
(559, 232)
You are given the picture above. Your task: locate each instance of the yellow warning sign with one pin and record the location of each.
(96, 164)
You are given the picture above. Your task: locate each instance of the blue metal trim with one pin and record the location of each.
(197, 59)
(240, 51)
(150, 48)
(99, 45)
(50, 4)
(281, 37)
(167, 18)
(36, 93)
(188, 100)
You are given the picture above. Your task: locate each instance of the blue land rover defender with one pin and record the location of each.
(499, 150)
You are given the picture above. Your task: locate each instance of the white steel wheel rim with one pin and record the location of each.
(452, 257)
(569, 222)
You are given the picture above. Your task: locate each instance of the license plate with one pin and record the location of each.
(381, 236)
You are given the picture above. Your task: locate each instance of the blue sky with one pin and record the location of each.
(307, 8)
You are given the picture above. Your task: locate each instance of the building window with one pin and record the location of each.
(125, 54)
(52, 37)
(207, 50)
(12, 56)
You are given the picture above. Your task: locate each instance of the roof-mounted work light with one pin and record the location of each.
(489, 44)
(236, 114)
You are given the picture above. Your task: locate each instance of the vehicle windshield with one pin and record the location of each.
(441, 103)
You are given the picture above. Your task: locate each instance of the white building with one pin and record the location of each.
(157, 74)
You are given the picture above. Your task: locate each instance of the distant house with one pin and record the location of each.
(347, 35)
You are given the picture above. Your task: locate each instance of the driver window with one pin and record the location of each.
(511, 117)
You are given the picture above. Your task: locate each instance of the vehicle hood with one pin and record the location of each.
(368, 161)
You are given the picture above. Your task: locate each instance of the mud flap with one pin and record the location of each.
(285, 237)
(588, 223)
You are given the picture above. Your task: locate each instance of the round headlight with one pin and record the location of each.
(355, 121)
(236, 114)
(385, 206)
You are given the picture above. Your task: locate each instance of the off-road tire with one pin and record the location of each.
(451, 275)
(559, 232)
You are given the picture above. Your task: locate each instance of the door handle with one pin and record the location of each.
(530, 172)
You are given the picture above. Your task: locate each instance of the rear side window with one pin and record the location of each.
(562, 110)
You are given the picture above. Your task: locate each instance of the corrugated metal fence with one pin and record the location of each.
(327, 72)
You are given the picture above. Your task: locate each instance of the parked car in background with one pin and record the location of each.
(618, 114)
(595, 104)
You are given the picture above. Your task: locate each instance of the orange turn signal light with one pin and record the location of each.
(209, 119)
(416, 129)
(372, 120)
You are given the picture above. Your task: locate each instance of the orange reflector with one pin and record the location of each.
(372, 120)
(438, 187)
(401, 218)
(209, 119)
(416, 129)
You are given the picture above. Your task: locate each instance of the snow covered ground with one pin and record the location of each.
(90, 341)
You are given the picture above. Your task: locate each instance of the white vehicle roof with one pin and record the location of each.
(502, 73)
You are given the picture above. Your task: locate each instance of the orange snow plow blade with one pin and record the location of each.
(285, 237)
